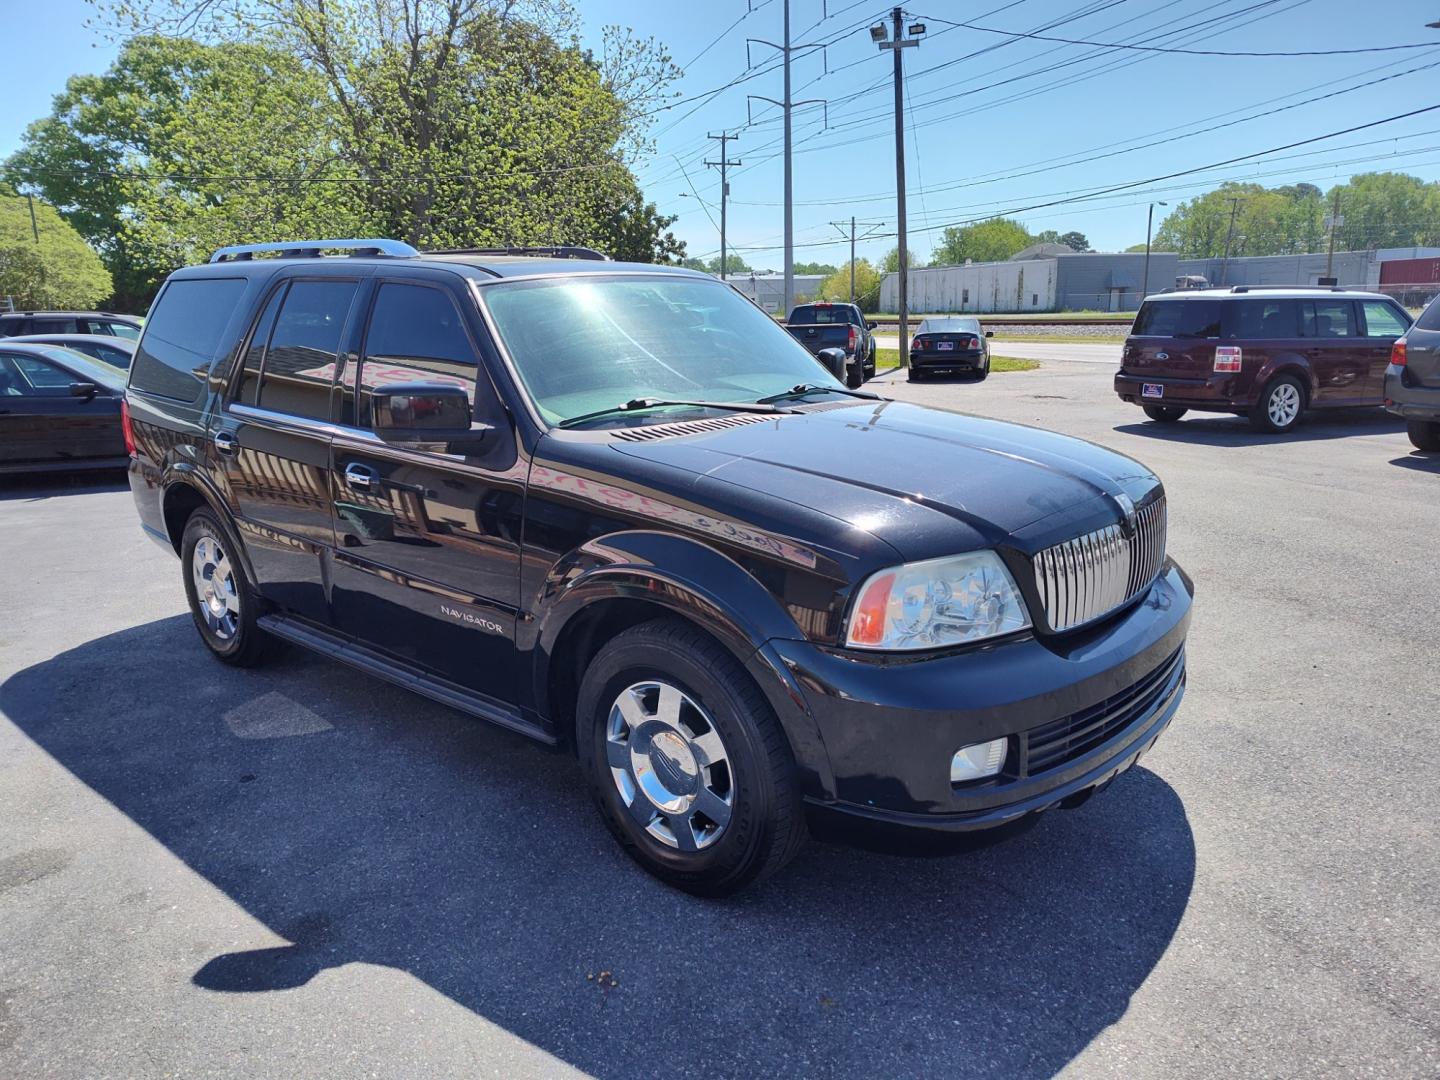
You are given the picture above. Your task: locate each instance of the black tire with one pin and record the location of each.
(983, 373)
(1425, 434)
(234, 639)
(911, 375)
(1165, 414)
(765, 825)
(1263, 414)
(855, 374)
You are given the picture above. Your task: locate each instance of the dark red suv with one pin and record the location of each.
(1266, 353)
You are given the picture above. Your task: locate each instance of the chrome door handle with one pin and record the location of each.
(225, 442)
(361, 477)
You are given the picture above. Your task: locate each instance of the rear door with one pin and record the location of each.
(42, 423)
(1174, 339)
(1381, 322)
(1336, 350)
(427, 561)
(271, 442)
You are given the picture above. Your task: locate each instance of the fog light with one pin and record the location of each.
(978, 761)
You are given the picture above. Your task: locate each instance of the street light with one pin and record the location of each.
(1149, 221)
(878, 32)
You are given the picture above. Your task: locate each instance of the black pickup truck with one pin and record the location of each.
(836, 326)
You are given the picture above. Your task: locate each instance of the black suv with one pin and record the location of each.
(618, 509)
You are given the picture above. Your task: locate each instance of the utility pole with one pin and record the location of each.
(786, 107)
(723, 164)
(34, 228)
(870, 226)
(1335, 221)
(877, 34)
(1229, 235)
(1149, 222)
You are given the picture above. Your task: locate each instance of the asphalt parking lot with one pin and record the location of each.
(301, 871)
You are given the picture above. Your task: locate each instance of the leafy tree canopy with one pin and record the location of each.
(985, 241)
(891, 262)
(814, 268)
(867, 285)
(60, 271)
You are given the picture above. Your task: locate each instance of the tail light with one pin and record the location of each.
(850, 340)
(126, 428)
(1397, 353)
(972, 343)
(1227, 358)
(918, 345)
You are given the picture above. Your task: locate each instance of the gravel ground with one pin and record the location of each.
(300, 871)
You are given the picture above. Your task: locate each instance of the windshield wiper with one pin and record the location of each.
(637, 404)
(801, 389)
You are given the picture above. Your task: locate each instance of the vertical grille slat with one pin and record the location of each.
(1082, 579)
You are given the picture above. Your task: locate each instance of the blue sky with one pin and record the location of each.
(988, 130)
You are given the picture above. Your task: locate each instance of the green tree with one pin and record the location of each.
(1386, 210)
(867, 285)
(60, 271)
(985, 241)
(814, 268)
(891, 262)
(1075, 241)
(734, 264)
(1266, 222)
(1141, 248)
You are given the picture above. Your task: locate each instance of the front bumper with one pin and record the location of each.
(1411, 402)
(1219, 393)
(891, 725)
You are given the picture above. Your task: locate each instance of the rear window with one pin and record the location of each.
(1429, 318)
(182, 334)
(816, 314)
(1178, 319)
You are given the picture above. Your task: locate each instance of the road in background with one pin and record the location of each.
(302, 871)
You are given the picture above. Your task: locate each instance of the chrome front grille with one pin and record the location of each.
(1085, 578)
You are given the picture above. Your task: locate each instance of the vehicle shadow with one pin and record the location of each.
(50, 485)
(1418, 460)
(1224, 430)
(363, 824)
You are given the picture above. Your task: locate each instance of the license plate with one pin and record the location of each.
(1152, 389)
(945, 346)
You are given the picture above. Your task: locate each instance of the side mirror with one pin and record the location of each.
(424, 413)
(870, 324)
(833, 361)
(989, 333)
(86, 390)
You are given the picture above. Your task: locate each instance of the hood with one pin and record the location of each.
(896, 469)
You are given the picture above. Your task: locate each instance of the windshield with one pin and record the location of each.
(581, 344)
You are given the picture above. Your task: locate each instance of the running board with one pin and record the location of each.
(368, 660)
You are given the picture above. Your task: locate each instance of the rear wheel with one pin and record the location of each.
(855, 374)
(1425, 434)
(1280, 407)
(222, 601)
(912, 374)
(1164, 414)
(984, 372)
(690, 768)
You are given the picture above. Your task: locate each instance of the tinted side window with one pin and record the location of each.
(1382, 320)
(1179, 318)
(182, 336)
(255, 350)
(1429, 318)
(52, 326)
(1329, 318)
(415, 335)
(1262, 319)
(29, 376)
(300, 362)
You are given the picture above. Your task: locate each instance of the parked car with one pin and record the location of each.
(115, 351)
(551, 494)
(1265, 353)
(1412, 379)
(949, 343)
(837, 326)
(104, 323)
(59, 410)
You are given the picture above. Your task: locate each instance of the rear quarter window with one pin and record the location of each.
(182, 334)
(1178, 319)
(1430, 317)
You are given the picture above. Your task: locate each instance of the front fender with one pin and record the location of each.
(701, 585)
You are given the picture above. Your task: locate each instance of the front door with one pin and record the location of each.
(427, 558)
(1335, 349)
(271, 443)
(1381, 323)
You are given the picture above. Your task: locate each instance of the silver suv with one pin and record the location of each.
(1412, 381)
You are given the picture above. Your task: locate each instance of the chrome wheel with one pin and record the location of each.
(1284, 404)
(215, 590)
(669, 765)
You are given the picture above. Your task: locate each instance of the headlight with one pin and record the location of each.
(926, 605)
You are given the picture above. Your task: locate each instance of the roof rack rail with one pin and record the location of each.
(315, 248)
(562, 251)
(1262, 288)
